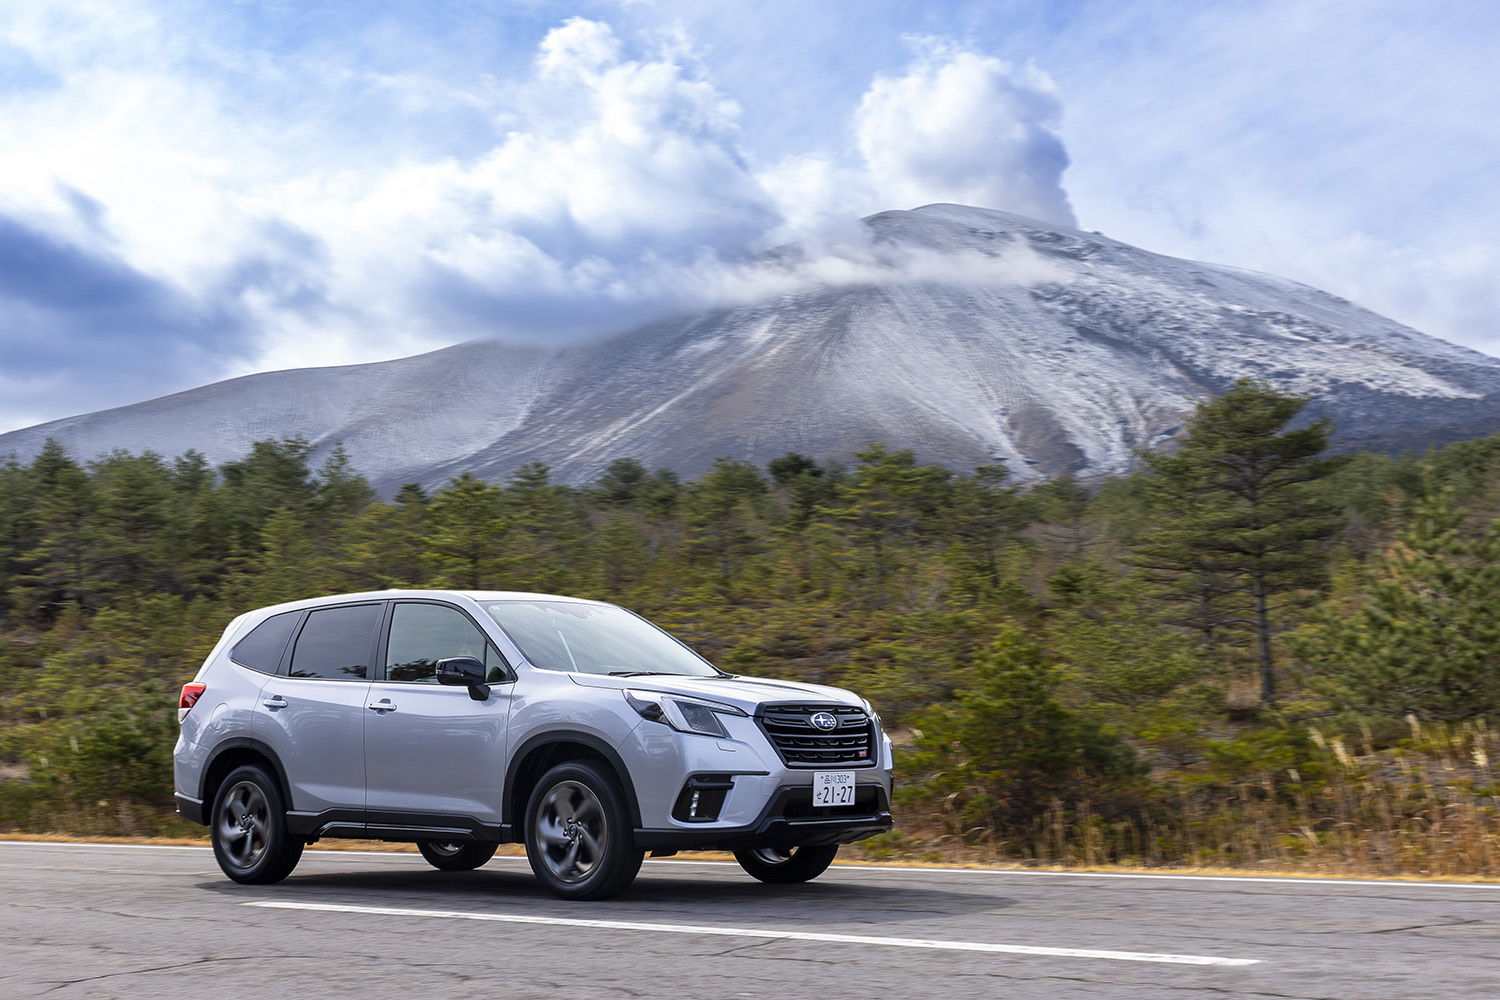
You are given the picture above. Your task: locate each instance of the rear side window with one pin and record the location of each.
(335, 643)
(262, 648)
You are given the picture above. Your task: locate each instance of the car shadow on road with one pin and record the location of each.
(658, 893)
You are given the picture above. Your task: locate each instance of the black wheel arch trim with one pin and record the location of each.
(594, 743)
(240, 743)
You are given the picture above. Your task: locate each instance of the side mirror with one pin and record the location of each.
(463, 671)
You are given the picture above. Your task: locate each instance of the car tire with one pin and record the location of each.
(248, 828)
(578, 835)
(784, 867)
(456, 856)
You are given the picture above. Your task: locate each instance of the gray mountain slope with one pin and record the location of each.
(969, 335)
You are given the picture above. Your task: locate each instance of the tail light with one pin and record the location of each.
(190, 694)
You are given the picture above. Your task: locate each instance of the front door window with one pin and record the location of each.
(422, 634)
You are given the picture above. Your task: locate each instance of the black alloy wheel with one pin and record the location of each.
(578, 835)
(456, 855)
(248, 828)
(780, 866)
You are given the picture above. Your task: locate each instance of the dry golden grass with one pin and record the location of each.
(1428, 810)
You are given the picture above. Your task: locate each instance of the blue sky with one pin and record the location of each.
(196, 189)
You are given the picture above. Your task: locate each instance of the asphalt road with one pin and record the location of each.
(116, 921)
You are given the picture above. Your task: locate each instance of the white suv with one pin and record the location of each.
(463, 720)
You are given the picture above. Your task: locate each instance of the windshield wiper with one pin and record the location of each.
(633, 673)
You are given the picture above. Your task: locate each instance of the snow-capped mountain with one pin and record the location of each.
(969, 335)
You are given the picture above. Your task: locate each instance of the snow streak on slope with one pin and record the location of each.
(969, 335)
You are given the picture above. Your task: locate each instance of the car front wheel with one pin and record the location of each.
(783, 867)
(578, 835)
(456, 856)
(248, 828)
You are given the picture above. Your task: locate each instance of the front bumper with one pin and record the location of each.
(787, 821)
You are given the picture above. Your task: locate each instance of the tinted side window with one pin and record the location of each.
(262, 648)
(422, 634)
(335, 643)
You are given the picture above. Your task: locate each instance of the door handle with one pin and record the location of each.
(276, 701)
(383, 705)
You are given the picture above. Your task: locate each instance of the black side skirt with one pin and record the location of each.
(397, 826)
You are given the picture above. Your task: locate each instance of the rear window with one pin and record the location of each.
(262, 648)
(335, 643)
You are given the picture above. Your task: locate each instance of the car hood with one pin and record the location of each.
(747, 693)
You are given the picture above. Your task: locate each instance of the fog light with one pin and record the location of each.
(702, 798)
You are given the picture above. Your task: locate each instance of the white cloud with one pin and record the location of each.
(956, 126)
(965, 128)
(610, 188)
(210, 206)
(607, 172)
(819, 199)
(611, 172)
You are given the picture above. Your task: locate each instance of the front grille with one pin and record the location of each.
(801, 744)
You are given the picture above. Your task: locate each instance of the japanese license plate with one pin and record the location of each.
(833, 788)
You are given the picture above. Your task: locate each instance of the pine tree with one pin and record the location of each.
(984, 516)
(1203, 593)
(387, 543)
(621, 554)
(547, 530)
(1240, 506)
(58, 569)
(621, 484)
(1061, 506)
(274, 476)
(1012, 737)
(195, 542)
(802, 485)
(285, 565)
(886, 503)
(17, 523)
(725, 516)
(341, 493)
(466, 542)
(1425, 638)
(1116, 650)
(134, 504)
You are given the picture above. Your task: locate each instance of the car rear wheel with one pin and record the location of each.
(248, 828)
(456, 856)
(578, 835)
(785, 866)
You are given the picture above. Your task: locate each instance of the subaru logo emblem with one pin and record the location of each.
(824, 721)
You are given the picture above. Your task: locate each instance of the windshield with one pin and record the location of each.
(594, 639)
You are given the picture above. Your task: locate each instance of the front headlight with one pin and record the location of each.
(686, 715)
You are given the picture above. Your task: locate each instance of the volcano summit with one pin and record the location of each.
(972, 336)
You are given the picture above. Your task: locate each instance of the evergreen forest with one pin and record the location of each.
(1251, 652)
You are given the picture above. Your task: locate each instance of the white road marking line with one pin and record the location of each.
(838, 867)
(197, 847)
(1174, 877)
(762, 933)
